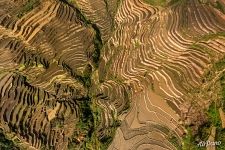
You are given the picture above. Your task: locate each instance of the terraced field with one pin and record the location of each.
(112, 74)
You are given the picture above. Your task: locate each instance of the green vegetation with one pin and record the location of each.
(203, 132)
(209, 36)
(71, 1)
(87, 135)
(40, 65)
(219, 65)
(98, 45)
(86, 118)
(6, 144)
(162, 3)
(174, 1)
(222, 84)
(137, 44)
(201, 48)
(85, 126)
(127, 104)
(21, 67)
(87, 75)
(206, 37)
(220, 132)
(36, 98)
(31, 4)
(108, 65)
(216, 68)
(57, 123)
(174, 141)
(172, 138)
(219, 6)
(220, 136)
(204, 1)
(213, 114)
(213, 110)
(107, 139)
(189, 141)
(156, 2)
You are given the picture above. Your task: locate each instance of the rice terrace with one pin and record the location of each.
(112, 74)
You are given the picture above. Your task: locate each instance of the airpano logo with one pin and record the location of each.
(208, 143)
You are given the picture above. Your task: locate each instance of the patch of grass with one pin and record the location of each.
(97, 111)
(30, 5)
(222, 91)
(213, 114)
(219, 65)
(21, 67)
(137, 44)
(36, 98)
(40, 65)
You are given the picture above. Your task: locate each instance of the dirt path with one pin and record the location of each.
(222, 117)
